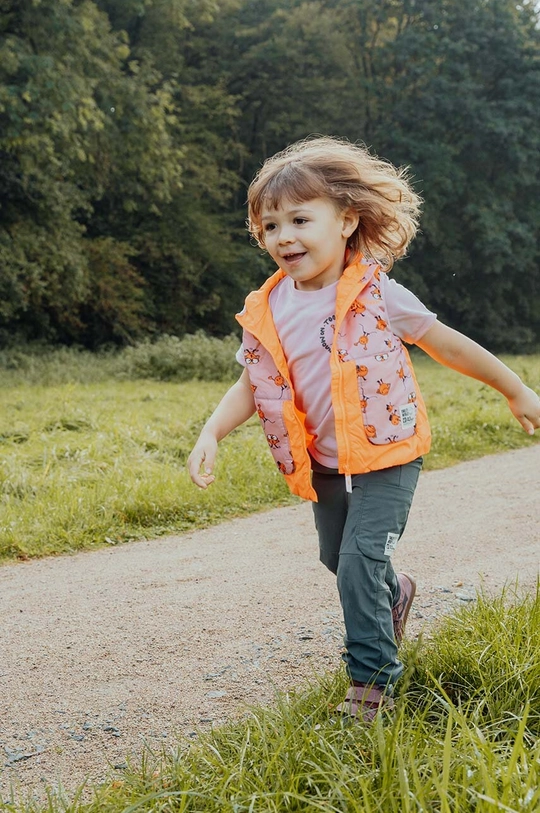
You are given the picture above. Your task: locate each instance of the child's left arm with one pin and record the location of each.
(453, 349)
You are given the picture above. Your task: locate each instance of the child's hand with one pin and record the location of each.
(526, 409)
(204, 453)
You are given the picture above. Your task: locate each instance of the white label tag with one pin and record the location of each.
(407, 414)
(391, 542)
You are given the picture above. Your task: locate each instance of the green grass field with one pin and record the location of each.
(464, 738)
(88, 460)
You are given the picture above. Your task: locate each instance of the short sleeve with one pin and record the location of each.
(408, 316)
(240, 356)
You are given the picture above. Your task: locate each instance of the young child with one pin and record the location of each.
(327, 372)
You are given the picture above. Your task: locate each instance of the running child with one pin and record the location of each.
(326, 368)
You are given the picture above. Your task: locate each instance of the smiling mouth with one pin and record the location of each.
(295, 256)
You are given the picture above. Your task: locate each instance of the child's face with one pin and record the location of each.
(308, 240)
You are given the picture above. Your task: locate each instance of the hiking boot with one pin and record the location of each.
(400, 610)
(364, 702)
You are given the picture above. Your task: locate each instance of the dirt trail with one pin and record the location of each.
(101, 652)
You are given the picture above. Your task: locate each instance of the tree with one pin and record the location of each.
(472, 135)
(189, 251)
(447, 87)
(77, 122)
(130, 129)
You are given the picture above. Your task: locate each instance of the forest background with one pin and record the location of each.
(130, 129)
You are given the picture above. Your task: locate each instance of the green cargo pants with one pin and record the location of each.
(357, 535)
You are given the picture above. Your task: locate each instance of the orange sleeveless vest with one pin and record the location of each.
(380, 416)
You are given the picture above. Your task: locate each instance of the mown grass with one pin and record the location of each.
(89, 464)
(464, 737)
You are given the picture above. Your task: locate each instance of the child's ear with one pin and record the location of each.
(350, 221)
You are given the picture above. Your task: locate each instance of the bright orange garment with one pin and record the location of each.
(380, 416)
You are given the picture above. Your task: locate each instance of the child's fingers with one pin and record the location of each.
(208, 461)
(196, 477)
(527, 425)
(201, 458)
(526, 409)
(529, 422)
(206, 476)
(204, 480)
(532, 416)
(194, 464)
(532, 423)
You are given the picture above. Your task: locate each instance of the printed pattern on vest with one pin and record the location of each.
(269, 394)
(370, 371)
(385, 383)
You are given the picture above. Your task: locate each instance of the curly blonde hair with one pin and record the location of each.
(347, 174)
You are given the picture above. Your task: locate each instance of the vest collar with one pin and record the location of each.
(354, 279)
(352, 282)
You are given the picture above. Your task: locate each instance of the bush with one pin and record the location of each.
(196, 356)
(168, 358)
(41, 364)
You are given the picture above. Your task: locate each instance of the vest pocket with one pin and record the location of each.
(387, 397)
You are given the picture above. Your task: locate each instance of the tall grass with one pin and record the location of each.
(89, 457)
(196, 357)
(464, 737)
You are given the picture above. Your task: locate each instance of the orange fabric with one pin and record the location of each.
(356, 454)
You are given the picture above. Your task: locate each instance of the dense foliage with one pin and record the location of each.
(129, 130)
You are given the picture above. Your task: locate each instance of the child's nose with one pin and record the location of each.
(286, 235)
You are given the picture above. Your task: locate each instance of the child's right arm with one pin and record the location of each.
(236, 406)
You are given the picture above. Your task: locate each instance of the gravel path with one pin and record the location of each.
(102, 652)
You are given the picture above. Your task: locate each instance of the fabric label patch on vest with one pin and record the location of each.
(407, 415)
(391, 542)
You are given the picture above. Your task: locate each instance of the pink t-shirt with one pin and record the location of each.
(304, 322)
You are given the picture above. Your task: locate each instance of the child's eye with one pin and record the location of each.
(269, 226)
(300, 220)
